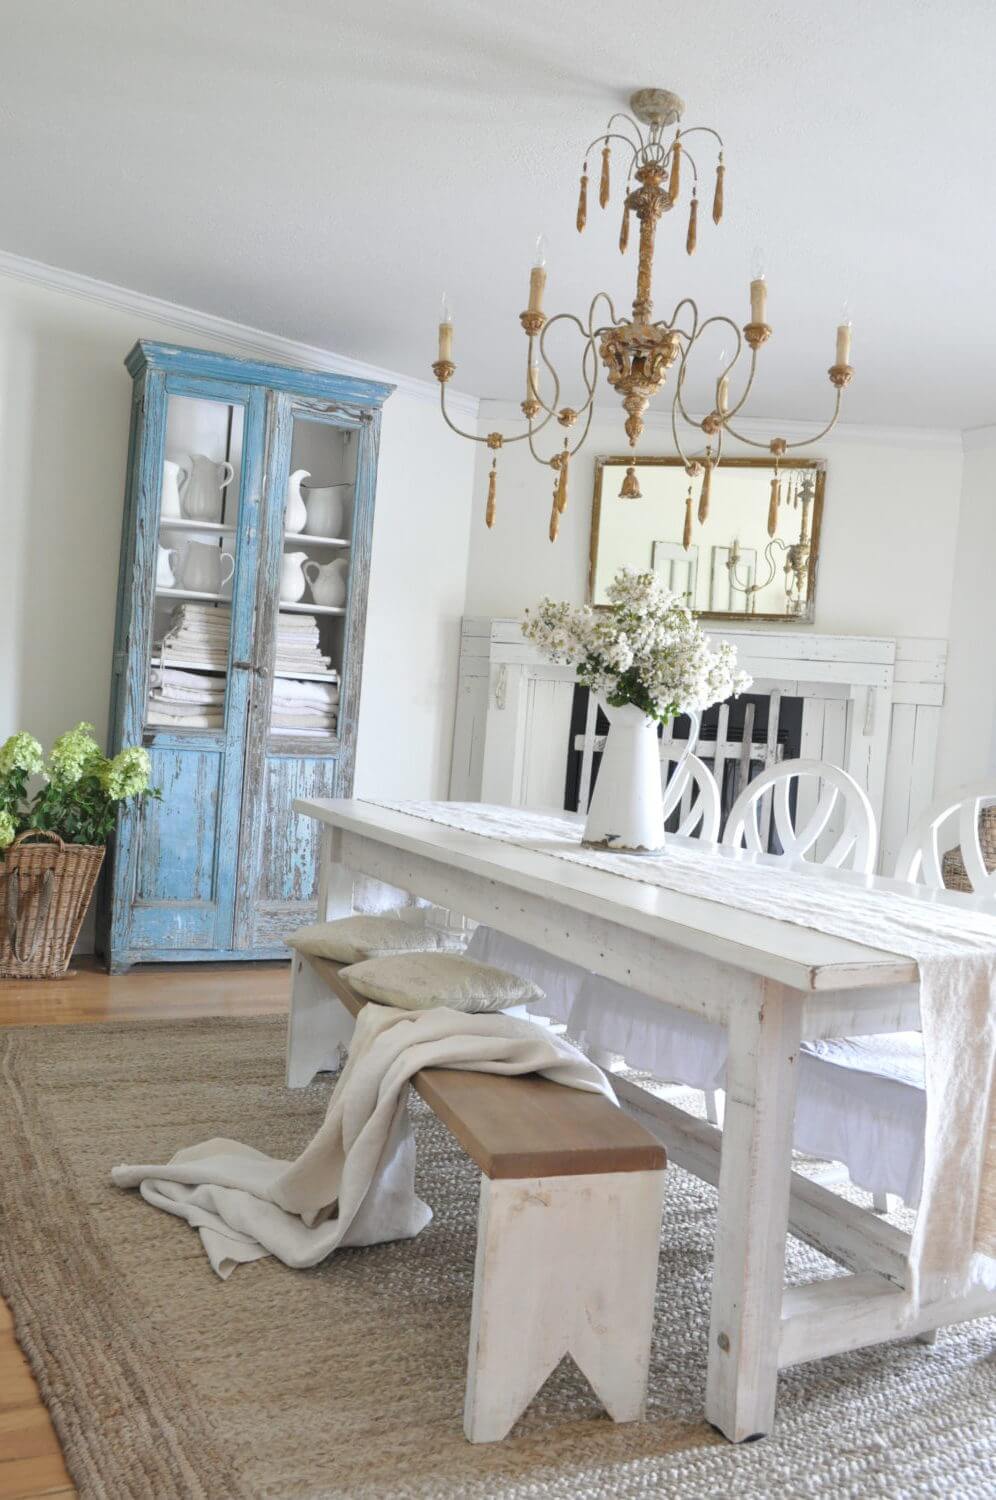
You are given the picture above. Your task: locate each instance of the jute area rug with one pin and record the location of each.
(348, 1380)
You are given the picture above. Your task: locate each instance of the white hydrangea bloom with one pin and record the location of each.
(645, 648)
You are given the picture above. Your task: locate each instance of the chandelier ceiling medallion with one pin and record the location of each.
(638, 353)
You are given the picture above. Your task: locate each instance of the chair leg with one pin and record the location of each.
(565, 1265)
(711, 1106)
(319, 1028)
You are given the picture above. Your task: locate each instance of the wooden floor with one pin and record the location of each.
(30, 1458)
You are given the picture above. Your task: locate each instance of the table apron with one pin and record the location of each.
(694, 982)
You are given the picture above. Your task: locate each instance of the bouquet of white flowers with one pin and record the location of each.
(644, 649)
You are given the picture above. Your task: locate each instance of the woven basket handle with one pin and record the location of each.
(24, 950)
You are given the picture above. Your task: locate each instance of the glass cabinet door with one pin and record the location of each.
(202, 456)
(301, 654)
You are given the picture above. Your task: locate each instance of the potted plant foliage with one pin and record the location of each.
(53, 839)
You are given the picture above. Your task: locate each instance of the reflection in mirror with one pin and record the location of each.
(752, 554)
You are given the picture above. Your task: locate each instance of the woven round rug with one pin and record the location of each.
(347, 1380)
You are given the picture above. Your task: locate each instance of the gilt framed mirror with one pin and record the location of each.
(751, 554)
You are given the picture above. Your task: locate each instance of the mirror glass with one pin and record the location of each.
(746, 558)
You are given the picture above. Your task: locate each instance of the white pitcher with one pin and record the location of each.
(626, 811)
(204, 568)
(174, 478)
(167, 561)
(295, 515)
(202, 498)
(292, 580)
(326, 505)
(328, 583)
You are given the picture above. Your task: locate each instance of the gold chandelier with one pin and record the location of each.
(637, 353)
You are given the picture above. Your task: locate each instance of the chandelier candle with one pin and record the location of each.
(637, 353)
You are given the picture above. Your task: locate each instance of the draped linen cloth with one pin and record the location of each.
(954, 947)
(354, 1183)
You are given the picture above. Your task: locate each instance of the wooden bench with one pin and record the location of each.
(567, 1236)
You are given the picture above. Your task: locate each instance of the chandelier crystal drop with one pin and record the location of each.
(638, 353)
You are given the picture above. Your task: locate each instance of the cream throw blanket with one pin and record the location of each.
(354, 1183)
(954, 1243)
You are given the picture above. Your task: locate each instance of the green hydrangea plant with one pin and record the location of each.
(80, 790)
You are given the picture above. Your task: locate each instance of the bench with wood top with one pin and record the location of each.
(568, 1228)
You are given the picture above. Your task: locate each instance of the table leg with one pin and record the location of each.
(754, 1185)
(314, 1026)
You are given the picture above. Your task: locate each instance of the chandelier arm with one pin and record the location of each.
(569, 318)
(613, 136)
(803, 443)
(732, 411)
(686, 302)
(621, 114)
(703, 130)
(598, 297)
(472, 436)
(584, 432)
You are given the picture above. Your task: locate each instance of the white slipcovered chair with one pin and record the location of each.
(870, 1090)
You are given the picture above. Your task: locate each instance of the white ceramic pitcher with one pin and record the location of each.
(167, 561)
(208, 478)
(292, 580)
(626, 811)
(295, 515)
(328, 583)
(204, 568)
(326, 506)
(174, 478)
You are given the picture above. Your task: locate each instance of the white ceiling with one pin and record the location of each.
(322, 169)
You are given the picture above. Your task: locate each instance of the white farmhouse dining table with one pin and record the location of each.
(771, 983)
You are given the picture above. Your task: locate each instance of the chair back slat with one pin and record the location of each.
(836, 792)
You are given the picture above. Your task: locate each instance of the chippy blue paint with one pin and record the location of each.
(203, 874)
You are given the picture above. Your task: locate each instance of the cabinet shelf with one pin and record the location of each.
(199, 666)
(316, 541)
(193, 594)
(311, 609)
(182, 523)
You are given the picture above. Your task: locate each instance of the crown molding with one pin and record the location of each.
(761, 428)
(225, 331)
(979, 437)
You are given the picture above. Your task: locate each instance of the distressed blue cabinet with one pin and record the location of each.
(225, 666)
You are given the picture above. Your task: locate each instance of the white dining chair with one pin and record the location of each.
(798, 833)
(877, 1082)
(920, 858)
(693, 793)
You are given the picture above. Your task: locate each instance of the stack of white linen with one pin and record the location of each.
(298, 648)
(198, 635)
(191, 700)
(304, 707)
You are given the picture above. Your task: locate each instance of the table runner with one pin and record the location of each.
(954, 1242)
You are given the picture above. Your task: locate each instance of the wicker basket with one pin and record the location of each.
(953, 866)
(45, 889)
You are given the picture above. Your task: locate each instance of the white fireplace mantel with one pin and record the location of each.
(871, 705)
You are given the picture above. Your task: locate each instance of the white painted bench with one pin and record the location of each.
(568, 1229)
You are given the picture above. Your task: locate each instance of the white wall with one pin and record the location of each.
(967, 747)
(890, 524)
(64, 413)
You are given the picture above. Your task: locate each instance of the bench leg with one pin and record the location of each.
(318, 1027)
(565, 1265)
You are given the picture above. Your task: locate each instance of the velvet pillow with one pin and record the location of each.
(421, 981)
(352, 939)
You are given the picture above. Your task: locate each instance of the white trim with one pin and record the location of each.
(224, 330)
(979, 437)
(760, 428)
